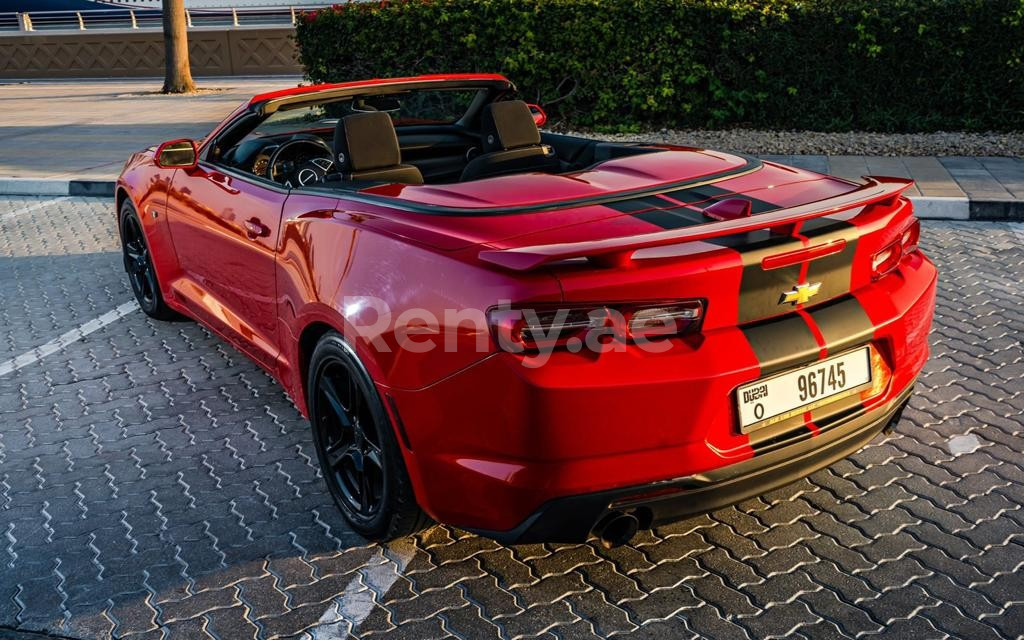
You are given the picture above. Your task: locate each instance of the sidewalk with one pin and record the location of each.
(86, 129)
(60, 137)
(958, 187)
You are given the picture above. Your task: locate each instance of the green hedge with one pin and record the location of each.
(880, 65)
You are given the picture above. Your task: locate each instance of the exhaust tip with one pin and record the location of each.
(618, 529)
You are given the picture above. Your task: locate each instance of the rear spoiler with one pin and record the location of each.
(877, 189)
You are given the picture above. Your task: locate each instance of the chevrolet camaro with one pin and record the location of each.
(532, 336)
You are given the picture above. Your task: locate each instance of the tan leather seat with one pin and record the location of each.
(366, 148)
(510, 143)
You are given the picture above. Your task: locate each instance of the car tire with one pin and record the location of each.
(138, 264)
(356, 446)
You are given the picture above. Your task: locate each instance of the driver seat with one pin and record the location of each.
(366, 148)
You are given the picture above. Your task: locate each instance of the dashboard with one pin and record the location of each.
(295, 159)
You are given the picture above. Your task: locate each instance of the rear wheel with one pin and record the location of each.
(356, 445)
(138, 263)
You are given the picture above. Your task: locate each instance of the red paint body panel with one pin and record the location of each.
(613, 176)
(491, 440)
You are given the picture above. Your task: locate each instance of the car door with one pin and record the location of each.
(225, 231)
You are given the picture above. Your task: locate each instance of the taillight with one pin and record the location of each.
(529, 329)
(880, 374)
(888, 258)
(910, 237)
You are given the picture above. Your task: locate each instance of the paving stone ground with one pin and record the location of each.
(154, 483)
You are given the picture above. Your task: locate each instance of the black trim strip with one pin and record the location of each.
(836, 417)
(764, 440)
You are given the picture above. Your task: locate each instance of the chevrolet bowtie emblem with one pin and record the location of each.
(801, 294)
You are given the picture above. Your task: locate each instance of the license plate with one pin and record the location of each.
(776, 398)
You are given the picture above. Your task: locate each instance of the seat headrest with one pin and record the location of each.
(508, 125)
(366, 141)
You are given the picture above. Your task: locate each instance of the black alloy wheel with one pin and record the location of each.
(356, 446)
(138, 263)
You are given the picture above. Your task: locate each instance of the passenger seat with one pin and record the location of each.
(510, 143)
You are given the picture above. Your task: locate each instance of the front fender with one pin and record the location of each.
(146, 186)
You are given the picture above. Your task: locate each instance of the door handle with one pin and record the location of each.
(222, 181)
(256, 229)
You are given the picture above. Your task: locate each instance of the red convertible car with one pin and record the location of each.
(532, 336)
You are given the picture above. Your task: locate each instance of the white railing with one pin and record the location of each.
(133, 16)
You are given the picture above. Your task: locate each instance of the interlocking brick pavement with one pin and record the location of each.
(154, 483)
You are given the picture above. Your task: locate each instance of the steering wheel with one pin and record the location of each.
(304, 158)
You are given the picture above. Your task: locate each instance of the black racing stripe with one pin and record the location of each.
(672, 218)
(816, 227)
(660, 212)
(697, 194)
(704, 196)
(761, 289)
(639, 204)
(756, 206)
(843, 324)
(834, 271)
(782, 343)
(754, 241)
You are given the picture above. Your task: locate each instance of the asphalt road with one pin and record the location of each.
(154, 483)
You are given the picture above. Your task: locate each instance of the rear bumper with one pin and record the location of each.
(492, 447)
(572, 518)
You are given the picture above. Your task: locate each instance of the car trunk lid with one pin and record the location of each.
(584, 212)
(525, 192)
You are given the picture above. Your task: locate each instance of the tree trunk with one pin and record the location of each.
(177, 75)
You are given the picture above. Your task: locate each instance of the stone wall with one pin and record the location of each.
(126, 53)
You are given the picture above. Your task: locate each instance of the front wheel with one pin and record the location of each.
(138, 263)
(356, 445)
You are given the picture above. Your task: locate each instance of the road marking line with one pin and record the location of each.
(72, 336)
(356, 602)
(33, 207)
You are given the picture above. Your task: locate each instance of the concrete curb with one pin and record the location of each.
(926, 207)
(55, 187)
(941, 208)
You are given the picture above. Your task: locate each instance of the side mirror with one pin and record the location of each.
(539, 117)
(177, 154)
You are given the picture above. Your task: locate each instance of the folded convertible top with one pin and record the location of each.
(876, 190)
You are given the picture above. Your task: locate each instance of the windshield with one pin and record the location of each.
(441, 106)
